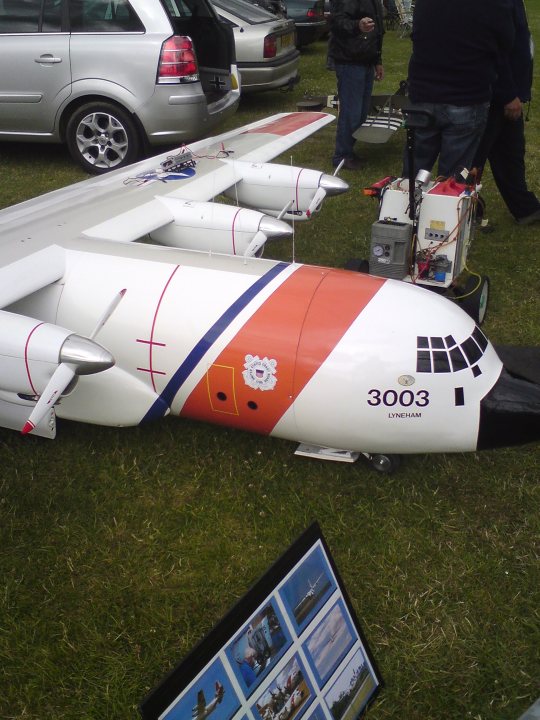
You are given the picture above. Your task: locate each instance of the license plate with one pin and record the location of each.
(286, 40)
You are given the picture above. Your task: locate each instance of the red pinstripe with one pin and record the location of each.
(26, 357)
(151, 342)
(237, 213)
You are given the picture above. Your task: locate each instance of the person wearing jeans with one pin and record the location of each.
(456, 47)
(355, 53)
(451, 134)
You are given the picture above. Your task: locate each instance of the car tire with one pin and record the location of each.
(102, 136)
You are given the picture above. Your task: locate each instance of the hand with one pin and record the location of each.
(366, 24)
(513, 109)
(379, 72)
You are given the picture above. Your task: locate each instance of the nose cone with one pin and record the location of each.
(87, 356)
(509, 413)
(274, 228)
(333, 185)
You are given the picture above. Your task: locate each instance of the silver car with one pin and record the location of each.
(266, 53)
(109, 77)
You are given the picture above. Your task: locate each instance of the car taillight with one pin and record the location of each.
(177, 62)
(315, 13)
(270, 46)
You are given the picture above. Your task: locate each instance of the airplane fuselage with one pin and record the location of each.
(311, 354)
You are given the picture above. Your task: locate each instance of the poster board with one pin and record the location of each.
(291, 648)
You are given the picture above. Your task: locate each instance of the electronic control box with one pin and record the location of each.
(444, 225)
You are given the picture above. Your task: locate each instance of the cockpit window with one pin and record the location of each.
(444, 355)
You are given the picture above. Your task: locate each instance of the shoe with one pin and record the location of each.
(529, 219)
(351, 163)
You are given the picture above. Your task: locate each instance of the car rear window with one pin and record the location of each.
(30, 16)
(103, 16)
(244, 10)
(177, 8)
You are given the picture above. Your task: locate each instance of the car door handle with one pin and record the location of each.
(48, 60)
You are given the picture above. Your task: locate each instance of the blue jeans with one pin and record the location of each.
(354, 86)
(452, 135)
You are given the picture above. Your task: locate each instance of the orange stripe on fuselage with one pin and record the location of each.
(288, 124)
(298, 326)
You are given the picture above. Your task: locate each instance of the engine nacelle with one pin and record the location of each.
(270, 188)
(216, 227)
(31, 351)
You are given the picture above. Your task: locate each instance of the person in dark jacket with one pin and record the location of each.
(456, 47)
(355, 53)
(503, 143)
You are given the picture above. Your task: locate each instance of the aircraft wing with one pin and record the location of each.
(125, 204)
(167, 196)
(30, 273)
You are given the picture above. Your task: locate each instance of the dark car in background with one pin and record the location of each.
(276, 7)
(308, 16)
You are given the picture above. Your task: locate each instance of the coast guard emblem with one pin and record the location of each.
(260, 374)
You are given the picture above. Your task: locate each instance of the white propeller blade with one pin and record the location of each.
(108, 312)
(61, 378)
(315, 204)
(256, 244)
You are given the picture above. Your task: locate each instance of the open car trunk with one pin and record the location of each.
(213, 40)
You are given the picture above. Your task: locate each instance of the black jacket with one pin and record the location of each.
(347, 45)
(516, 69)
(457, 45)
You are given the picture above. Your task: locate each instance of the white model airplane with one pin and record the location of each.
(201, 710)
(312, 587)
(326, 357)
(309, 594)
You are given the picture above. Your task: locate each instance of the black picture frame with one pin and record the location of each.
(297, 630)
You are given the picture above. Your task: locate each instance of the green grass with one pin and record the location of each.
(119, 549)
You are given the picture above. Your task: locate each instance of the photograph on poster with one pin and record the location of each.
(258, 646)
(328, 644)
(351, 691)
(316, 714)
(212, 696)
(288, 695)
(308, 588)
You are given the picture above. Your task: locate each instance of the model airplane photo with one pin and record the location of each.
(131, 296)
(309, 598)
(201, 711)
(312, 587)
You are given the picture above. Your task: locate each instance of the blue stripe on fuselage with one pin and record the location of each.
(164, 401)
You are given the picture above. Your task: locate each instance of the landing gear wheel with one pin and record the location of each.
(102, 137)
(474, 297)
(386, 464)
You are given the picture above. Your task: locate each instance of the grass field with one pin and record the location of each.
(120, 548)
